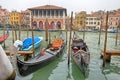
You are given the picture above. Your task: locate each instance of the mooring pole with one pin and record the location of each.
(46, 29)
(84, 27)
(13, 34)
(105, 42)
(32, 33)
(4, 34)
(100, 32)
(117, 34)
(66, 32)
(49, 37)
(19, 31)
(70, 38)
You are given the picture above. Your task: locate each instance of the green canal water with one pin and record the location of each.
(58, 69)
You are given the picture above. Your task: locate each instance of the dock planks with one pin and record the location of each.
(21, 52)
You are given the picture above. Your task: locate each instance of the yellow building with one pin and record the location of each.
(80, 20)
(15, 18)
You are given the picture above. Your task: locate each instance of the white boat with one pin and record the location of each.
(112, 30)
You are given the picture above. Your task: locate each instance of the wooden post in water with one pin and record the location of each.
(32, 32)
(27, 31)
(4, 34)
(84, 27)
(117, 33)
(19, 31)
(100, 32)
(66, 32)
(13, 34)
(70, 38)
(105, 42)
(49, 38)
(66, 35)
(46, 29)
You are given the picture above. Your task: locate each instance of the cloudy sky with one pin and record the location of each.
(70, 5)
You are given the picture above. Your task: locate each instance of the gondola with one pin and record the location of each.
(46, 56)
(80, 53)
(4, 37)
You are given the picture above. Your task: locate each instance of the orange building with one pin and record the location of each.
(54, 14)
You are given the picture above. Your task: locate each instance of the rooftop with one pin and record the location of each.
(47, 7)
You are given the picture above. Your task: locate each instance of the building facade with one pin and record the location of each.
(4, 16)
(15, 18)
(113, 21)
(92, 22)
(54, 14)
(25, 18)
(80, 20)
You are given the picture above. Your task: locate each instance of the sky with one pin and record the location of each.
(70, 5)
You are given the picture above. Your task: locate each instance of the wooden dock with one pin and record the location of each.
(25, 54)
(107, 55)
(21, 52)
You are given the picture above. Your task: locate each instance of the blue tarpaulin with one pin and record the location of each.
(27, 42)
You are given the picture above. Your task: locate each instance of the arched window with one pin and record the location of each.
(40, 25)
(52, 25)
(35, 24)
(58, 25)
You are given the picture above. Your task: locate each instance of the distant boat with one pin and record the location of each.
(26, 44)
(80, 53)
(81, 30)
(112, 30)
(6, 69)
(42, 59)
(4, 37)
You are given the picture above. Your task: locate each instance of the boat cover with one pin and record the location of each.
(27, 42)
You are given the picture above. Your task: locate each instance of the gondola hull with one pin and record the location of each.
(3, 38)
(80, 53)
(82, 61)
(30, 66)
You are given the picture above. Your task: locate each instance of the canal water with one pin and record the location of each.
(59, 70)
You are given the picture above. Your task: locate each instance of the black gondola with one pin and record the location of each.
(80, 53)
(27, 67)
